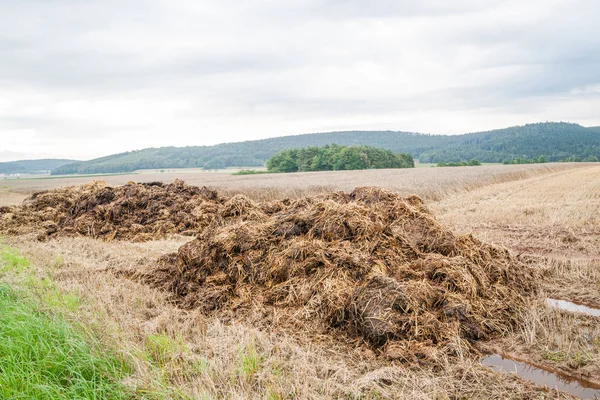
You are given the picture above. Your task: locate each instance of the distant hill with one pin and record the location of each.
(555, 141)
(32, 166)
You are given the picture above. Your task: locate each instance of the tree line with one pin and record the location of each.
(336, 158)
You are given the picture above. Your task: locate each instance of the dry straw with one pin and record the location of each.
(135, 212)
(366, 267)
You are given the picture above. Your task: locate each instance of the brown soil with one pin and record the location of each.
(368, 266)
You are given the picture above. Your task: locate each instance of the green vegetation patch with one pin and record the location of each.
(161, 348)
(337, 158)
(251, 172)
(43, 357)
(250, 363)
(12, 261)
(535, 160)
(472, 163)
(574, 158)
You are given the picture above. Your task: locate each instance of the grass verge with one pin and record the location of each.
(42, 356)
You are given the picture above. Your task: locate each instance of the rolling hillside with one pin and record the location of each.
(556, 141)
(32, 166)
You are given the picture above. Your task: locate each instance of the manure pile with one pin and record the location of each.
(368, 266)
(136, 211)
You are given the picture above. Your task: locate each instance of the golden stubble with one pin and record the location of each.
(546, 217)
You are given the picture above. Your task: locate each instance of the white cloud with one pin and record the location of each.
(86, 79)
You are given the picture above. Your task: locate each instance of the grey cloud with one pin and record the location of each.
(303, 58)
(6, 155)
(59, 127)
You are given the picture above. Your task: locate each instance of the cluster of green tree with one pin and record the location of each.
(556, 141)
(591, 158)
(335, 158)
(472, 163)
(535, 160)
(32, 166)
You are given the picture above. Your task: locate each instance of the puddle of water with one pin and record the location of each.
(553, 380)
(569, 306)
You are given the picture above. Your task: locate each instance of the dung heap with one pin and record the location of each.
(136, 211)
(368, 266)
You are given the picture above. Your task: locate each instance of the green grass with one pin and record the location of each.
(249, 362)
(47, 353)
(161, 349)
(43, 357)
(11, 261)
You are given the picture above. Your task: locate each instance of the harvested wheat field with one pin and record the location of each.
(428, 183)
(552, 219)
(552, 223)
(360, 293)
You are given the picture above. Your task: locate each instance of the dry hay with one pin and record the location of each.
(368, 266)
(135, 212)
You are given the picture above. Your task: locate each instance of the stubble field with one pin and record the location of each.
(546, 215)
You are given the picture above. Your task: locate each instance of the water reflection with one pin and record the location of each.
(582, 389)
(569, 306)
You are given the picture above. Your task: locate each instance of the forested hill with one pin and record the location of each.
(556, 141)
(32, 166)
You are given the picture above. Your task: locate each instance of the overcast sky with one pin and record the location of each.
(82, 79)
